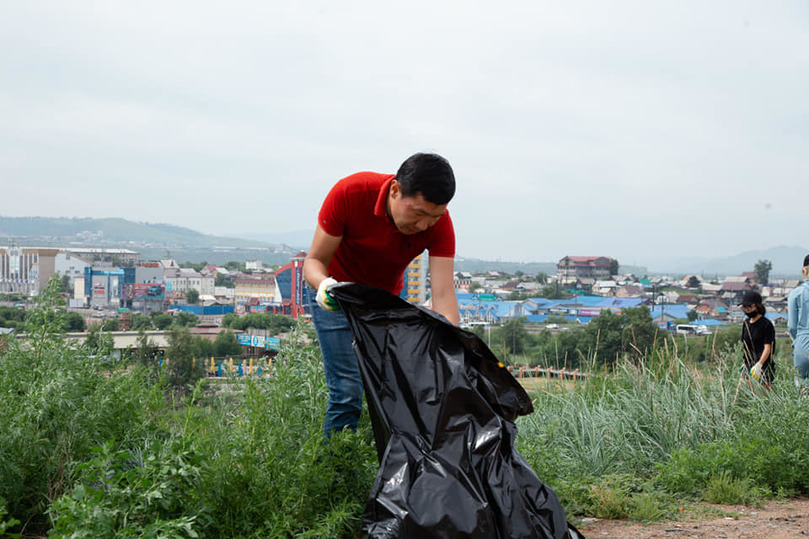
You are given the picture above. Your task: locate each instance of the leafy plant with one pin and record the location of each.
(725, 489)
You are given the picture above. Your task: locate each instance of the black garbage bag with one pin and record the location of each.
(442, 408)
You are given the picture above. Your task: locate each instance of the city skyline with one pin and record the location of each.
(191, 245)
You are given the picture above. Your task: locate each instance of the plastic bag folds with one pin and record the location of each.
(442, 409)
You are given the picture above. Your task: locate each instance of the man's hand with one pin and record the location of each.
(755, 372)
(326, 302)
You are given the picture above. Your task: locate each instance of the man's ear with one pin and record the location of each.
(395, 188)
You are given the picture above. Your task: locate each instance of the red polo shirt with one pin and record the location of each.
(373, 251)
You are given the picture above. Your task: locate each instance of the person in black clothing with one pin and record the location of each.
(758, 339)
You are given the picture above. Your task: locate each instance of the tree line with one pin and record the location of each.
(601, 343)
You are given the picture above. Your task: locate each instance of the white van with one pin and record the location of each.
(688, 329)
(685, 329)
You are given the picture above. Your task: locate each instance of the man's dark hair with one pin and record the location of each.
(428, 174)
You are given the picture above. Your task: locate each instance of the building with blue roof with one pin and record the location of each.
(670, 311)
(708, 322)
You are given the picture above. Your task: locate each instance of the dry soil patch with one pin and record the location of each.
(776, 520)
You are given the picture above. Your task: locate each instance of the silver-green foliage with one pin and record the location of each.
(670, 428)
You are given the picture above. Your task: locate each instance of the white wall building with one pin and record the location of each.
(181, 280)
(69, 264)
(254, 265)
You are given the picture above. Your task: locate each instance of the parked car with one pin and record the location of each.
(690, 329)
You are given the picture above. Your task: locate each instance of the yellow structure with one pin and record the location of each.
(260, 287)
(415, 280)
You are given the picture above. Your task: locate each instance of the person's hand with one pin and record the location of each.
(755, 372)
(326, 302)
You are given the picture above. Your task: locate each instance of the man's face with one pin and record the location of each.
(412, 215)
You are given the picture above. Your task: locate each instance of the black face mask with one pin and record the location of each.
(752, 314)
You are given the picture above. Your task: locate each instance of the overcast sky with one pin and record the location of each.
(633, 129)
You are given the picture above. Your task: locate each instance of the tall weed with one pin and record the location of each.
(254, 458)
(56, 404)
(674, 426)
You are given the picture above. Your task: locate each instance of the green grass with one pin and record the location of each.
(668, 429)
(86, 452)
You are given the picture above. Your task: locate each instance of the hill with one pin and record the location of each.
(152, 240)
(107, 231)
(786, 261)
(156, 240)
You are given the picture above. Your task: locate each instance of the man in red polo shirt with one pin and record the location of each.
(370, 227)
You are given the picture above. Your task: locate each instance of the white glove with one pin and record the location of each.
(326, 302)
(755, 372)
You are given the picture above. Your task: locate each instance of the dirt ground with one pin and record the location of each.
(776, 520)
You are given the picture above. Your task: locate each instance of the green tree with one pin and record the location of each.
(183, 369)
(693, 282)
(140, 321)
(183, 318)
(234, 265)
(204, 349)
(567, 349)
(513, 335)
(553, 291)
(110, 325)
(229, 320)
(542, 277)
(226, 345)
(274, 323)
(99, 342)
(614, 266)
(192, 296)
(220, 279)
(604, 337)
(74, 322)
(762, 269)
(692, 315)
(145, 352)
(611, 336)
(639, 333)
(12, 317)
(196, 266)
(65, 284)
(475, 286)
(162, 320)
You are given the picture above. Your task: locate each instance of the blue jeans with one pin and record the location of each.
(342, 370)
(800, 358)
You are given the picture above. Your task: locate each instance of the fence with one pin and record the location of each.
(533, 372)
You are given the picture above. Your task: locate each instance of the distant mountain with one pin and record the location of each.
(786, 262)
(101, 232)
(156, 241)
(300, 239)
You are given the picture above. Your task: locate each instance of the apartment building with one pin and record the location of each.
(26, 270)
(571, 268)
(415, 280)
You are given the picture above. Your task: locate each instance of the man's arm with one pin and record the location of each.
(442, 282)
(792, 314)
(316, 264)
